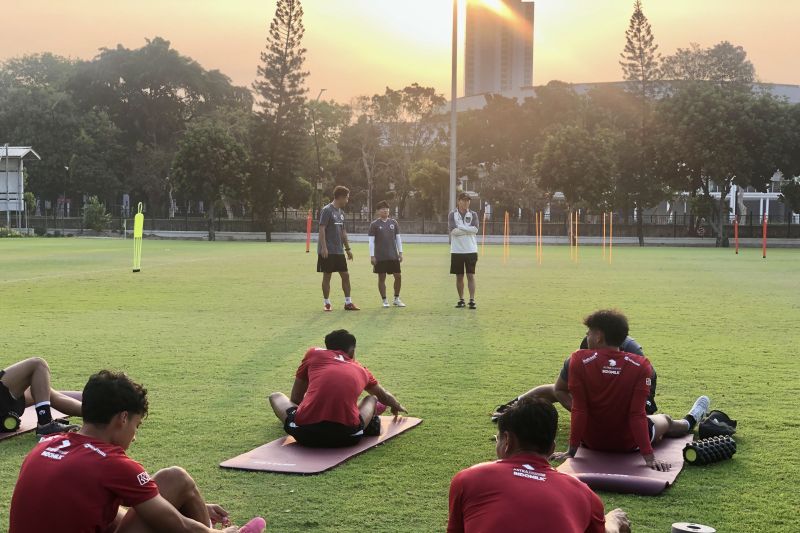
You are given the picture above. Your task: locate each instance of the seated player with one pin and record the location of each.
(521, 492)
(28, 383)
(609, 389)
(559, 392)
(76, 482)
(324, 411)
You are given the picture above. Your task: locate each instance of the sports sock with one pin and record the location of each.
(326, 300)
(43, 414)
(347, 300)
(384, 300)
(396, 296)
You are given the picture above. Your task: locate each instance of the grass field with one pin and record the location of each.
(212, 328)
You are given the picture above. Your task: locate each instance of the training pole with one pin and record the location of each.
(483, 235)
(536, 233)
(604, 236)
(569, 237)
(764, 238)
(138, 231)
(610, 235)
(576, 234)
(736, 233)
(541, 236)
(505, 238)
(308, 231)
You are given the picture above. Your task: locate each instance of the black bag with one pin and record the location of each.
(715, 424)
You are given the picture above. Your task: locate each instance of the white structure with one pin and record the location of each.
(498, 55)
(12, 182)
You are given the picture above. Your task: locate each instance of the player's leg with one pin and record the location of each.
(280, 403)
(397, 284)
(366, 408)
(66, 404)
(345, 283)
(460, 286)
(33, 374)
(326, 285)
(545, 392)
(471, 286)
(382, 285)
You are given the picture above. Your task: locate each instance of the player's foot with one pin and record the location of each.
(697, 411)
(373, 429)
(472, 304)
(351, 307)
(386, 303)
(256, 525)
(460, 304)
(327, 307)
(55, 426)
(398, 303)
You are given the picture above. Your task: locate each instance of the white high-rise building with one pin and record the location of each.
(499, 47)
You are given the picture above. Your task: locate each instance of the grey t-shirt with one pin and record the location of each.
(332, 218)
(385, 233)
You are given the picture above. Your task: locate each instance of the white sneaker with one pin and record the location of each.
(700, 408)
(398, 303)
(385, 303)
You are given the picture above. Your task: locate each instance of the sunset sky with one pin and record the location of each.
(361, 46)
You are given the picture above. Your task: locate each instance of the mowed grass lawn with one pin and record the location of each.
(212, 328)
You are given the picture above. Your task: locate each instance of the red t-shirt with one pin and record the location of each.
(522, 494)
(335, 382)
(609, 390)
(72, 483)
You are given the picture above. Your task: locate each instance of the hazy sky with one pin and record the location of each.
(361, 46)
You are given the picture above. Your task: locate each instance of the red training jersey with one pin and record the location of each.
(335, 382)
(609, 391)
(72, 483)
(522, 494)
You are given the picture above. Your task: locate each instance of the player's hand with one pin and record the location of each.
(397, 409)
(617, 522)
(217, 514)
(324, 253)
(373, 260)
(401, 257)
(561, 456)
(349, 254)
(656, 464)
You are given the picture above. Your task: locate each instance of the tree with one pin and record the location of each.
(209, 164)
(431, 181)
(95, 216)
(640, 59)
(326, 122)
(790, 195)
(279, 137)
(724, 64)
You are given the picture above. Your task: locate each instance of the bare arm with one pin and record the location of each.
(323, 244)
(298, 390)
(160, 515)
(386, 397)
(346, 244)
(561, 392)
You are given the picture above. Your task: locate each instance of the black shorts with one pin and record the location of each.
(9, 404)
(461, 262)
(391, 266)
(332, 263)
(323, 434)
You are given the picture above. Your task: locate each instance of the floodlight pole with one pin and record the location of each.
(318, 177)
(8, 193)
(453, 95)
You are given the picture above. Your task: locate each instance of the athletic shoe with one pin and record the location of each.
(472, 305)
(256, 525)
(373, 429)
(327, 307)
(55, 426)
(351, 307)
(386, 304)
(379, 408)
(460, 304)
(398, 303)
(699, 409)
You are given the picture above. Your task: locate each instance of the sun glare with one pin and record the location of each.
(498, 6)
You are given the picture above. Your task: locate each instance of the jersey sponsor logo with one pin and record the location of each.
(95, 449)
(611, 371)
(632, 361)
(589, 359)
(340, 357)
(143, 478)
(529, 472)
(57, 452)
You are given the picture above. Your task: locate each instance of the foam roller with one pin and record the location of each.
(710, 450)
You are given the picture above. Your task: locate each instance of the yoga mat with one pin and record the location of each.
(626, 472)
(284, 455)
(28, 419)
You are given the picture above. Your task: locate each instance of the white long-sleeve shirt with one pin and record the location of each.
(463, 228)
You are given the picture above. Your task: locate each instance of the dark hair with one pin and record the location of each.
(611, 322)
(534, 421)
(464, 196)
(340, 191)
(108, 393)
(381, 205)
(340, 339)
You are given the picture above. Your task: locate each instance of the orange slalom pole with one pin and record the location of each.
(604, 236)
(577, 212)
(736, 233)
(506, 230)
(764, 238)
(541, 236)
(483, 235)
(308, 231)
(610, 235)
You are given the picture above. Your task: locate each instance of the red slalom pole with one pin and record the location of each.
(764, 238)
(736, 233)
(308, 231)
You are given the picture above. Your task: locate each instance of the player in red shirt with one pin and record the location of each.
(609, 391)
(27, 383)
(324, 410)
(521, 492)
(85, 477)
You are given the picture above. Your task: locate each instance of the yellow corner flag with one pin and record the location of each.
(138, 229)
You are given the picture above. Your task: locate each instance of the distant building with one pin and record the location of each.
(12, 181)
(498, 55)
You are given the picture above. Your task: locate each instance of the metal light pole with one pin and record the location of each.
(8, 194)
(318, 177)
(453, 95)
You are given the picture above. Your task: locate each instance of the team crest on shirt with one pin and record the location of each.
(611, 368)
(143, 478)
(391, 226)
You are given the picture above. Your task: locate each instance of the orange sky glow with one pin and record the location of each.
(360, 47)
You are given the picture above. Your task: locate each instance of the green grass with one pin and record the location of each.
(212, 328)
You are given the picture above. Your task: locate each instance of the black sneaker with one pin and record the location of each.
(472, 305)
(373, 429)
(460, 304)
(55, 426)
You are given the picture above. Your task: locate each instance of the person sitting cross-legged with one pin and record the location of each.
(27, 383)
(324, 411)
(76, 482)
(521, 492)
